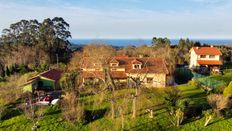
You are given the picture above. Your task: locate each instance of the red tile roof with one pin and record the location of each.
(88, 62)
(113, 61)
(149, 65)
(135, 61)
(52, 74)
(207, 51)
(209, 62)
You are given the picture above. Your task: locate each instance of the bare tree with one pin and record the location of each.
(26, 56)
(72, 109)
(30, 110)
(218, 102)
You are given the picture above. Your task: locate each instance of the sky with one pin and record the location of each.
(140, 19)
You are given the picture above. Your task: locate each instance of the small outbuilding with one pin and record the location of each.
(45, 81)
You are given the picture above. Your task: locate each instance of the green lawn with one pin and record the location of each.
(148, 98)
(196, 95)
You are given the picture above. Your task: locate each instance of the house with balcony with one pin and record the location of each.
(206, 57)
(149, 71)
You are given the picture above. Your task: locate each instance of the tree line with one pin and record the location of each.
(30, 42)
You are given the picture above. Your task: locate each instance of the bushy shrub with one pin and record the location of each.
(182, 75)
(228, 90)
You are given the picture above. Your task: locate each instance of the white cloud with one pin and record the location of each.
(96, 23)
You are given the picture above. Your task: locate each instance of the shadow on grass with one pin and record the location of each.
(150, 125)
(215, 121)
(92, 115)
(11, 112)
(12, 124)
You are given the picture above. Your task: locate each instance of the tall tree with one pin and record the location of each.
(183, 50)
(51, 36)
(160, 42)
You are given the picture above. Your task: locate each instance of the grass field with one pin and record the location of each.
(97, 108)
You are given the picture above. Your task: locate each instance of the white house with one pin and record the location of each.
(205, 56)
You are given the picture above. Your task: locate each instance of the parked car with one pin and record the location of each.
(48, 98)
(45, 101)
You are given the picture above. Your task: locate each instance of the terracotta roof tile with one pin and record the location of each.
(149, 65)
(114, 61)
(207, 51)
(135, 61)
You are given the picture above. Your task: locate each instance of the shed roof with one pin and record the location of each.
(52, 74)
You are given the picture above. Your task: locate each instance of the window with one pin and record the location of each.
(149, 80)
(137, 66)
(114, 64)
(113, 69)
(203, 56)
(211, 56)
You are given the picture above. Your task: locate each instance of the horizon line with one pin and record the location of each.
(146, 38)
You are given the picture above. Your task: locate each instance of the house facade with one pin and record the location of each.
(150, 72)
(205, 56)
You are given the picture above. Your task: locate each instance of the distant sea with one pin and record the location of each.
(138, 42)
